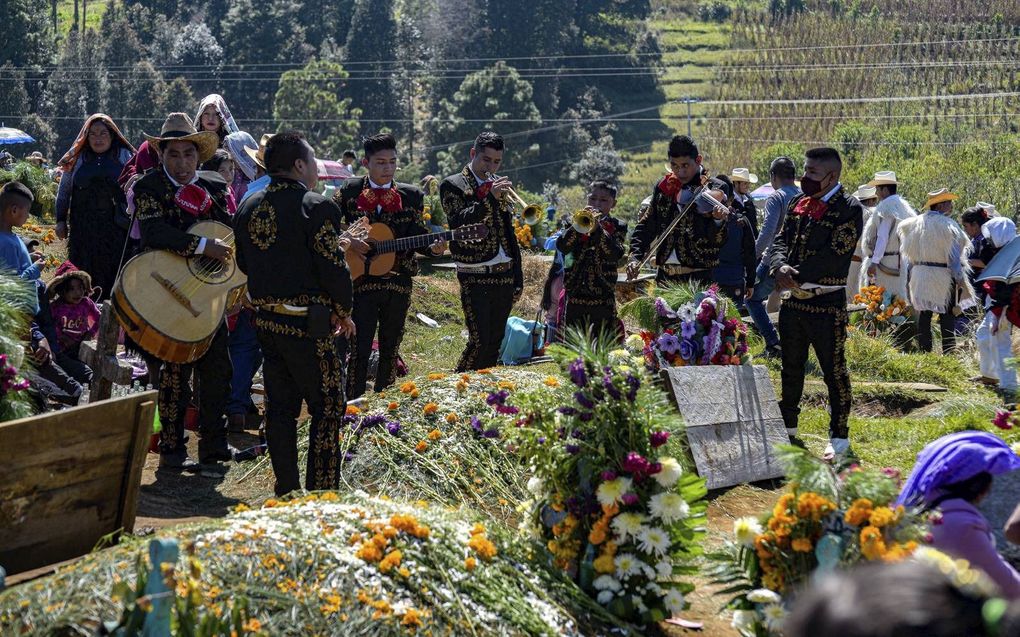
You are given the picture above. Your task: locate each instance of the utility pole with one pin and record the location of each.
(689, 101)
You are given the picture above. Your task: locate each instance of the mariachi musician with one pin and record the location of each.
(684, 250)
(382, 301)
(490, 275)
(169, 200)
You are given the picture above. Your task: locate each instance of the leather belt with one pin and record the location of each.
(931, 264)
(803, 295)
(856, 259)
(284, 309)
(484, 269)
(674, 269)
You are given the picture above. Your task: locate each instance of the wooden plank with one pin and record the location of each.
(732, 420)
(128, 505)
(69, 478)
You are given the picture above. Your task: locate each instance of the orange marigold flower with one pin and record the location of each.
(407, 387)
(481, 545)
(451, 418)
(882, 516)
(802, 545)
(551, 381)
(393, 406)
(470, 563)
(435, 434)
(429, 409)
(436, 376)
(391, 561)
(421, 446)
(353, 410)
(411, 619)
(415, 393)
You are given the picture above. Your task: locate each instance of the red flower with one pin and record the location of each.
(1002, 419)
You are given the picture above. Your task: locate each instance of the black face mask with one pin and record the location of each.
(811, 187)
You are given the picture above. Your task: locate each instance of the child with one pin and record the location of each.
(993, 336)
(76, 317)
(15, 203)
(222, 164)
(590, 265)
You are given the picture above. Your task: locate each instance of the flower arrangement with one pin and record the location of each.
(882, 309)
(524, 234)
(823, 521)
(329, 564)
(699, 332)
(612, 502)
(16, 296)
(433, 213)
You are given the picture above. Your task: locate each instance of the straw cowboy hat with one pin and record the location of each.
(939, 196)
(258, 156)
(743, 174)
(865, 192)
(36, 158)
(66, 272)
(884, 178)
(178, 128)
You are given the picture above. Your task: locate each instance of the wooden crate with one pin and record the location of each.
(70, 478)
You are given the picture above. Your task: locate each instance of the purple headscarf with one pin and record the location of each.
(955, 458)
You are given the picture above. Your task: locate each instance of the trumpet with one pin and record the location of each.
(584, 220)
(531, 214)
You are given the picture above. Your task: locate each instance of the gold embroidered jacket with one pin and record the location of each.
(408, 222)
(463, 207)
(820, 250)
(592, 276)
(288, 243)
(162, 223)
(697, 238)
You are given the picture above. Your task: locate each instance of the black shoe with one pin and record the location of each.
(224, 453)
(775, 351)
(177, 460)
(797, 442)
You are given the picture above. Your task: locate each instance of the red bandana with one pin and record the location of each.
(811, 208)
(483, 190)
(670, 185)
(194, 200)
(388, 198)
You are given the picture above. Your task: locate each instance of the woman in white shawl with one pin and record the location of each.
(994, 336)
(213, 115)
(934, 255)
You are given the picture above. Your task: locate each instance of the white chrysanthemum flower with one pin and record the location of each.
(626, 566)
(604, 597)
(668, 507)
(639, 603)
(611, 491)
(654, 589)
(744, 619)
(674, 601)
(687, 312)
(606, 583)
(627, 525)
(746, 529)
(654, 540)
(763, 596)
(1016, 448)
(775, 616)
(664, 568)
(671, 472)
(619, 357)
(635, 343)
(638, 362)
(536, 486)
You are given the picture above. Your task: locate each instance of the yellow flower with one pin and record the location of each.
(802, 545)
(858, 513)
(470, 563)
(604, 564)
(435, 434)
(391, 561)
(436, 376)
(451, 418)
(421, 446)
(412, 619)
(482, 546)
(882, 516)
(415, 393)
(407, 387)
(551, 381)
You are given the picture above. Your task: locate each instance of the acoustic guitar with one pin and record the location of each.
(381, 258)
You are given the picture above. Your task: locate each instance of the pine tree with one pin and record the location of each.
(318, 108)
(373, 40)
(14, 99)
(25, 37)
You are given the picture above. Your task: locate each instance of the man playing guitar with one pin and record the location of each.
(382, 301)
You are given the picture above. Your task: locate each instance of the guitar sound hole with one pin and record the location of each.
(206, 269)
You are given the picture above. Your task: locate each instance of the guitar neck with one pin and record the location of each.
(404, 244)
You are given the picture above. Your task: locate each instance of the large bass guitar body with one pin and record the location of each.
(172, 306)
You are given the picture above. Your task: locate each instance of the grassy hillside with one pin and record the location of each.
(93, 14)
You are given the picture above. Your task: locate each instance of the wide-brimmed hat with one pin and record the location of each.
(743, 174)
(36, 157)
(259, 156)
(987, 207)
(178, 128)
(66, 272)
(865, 192)
(884, 178)
(939, 196)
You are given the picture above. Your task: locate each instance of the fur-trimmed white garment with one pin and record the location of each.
(934, 238)
(892, 210)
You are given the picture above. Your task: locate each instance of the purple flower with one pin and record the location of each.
(507, 410)
(374, 420)
(586, 416)
(351, 420)
(1002, 419)
(607, 382)
(476, 424)
(583, 400)
(633, 384)
(561, 432)
(568, 411)
(541, 440)
(634, 463)
(348, 456)
(497, 398)
(491, 433)
(393, 427)
(688, 329)
(663, 309)
(668, 343)
(658, 438)
(608, 476)
(630, 499)
(712, 343)
(576, 434)
(687, 349)
(577, 373)
(573, 449)
(654, 468)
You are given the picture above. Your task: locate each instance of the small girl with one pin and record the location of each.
(221, 163)
(75, 316)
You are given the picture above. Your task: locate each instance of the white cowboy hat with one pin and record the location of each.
(743, 174)
(884, 178)
(865, 192)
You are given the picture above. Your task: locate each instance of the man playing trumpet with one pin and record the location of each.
(685, 249)
(592, 248)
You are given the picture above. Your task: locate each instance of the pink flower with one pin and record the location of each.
(658, 438)
(630, 499)
(1002, 419)
(635, 464)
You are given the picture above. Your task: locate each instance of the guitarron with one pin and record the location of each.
(172, 306)
(381, 259)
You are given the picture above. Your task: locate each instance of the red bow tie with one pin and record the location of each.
(811, 208)
(483, 190)
(371, 198)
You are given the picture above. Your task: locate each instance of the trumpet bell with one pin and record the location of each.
(583, 221)
(532, 214)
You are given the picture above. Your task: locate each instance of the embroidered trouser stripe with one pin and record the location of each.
(487, 301)
(386, 310)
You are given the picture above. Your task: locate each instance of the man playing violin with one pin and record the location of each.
(489, 271)
(382, 301)
(690, 249)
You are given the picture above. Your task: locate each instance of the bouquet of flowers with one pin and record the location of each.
(697, 333)
(433, 209)
(613, 502)
(823, 521)
(882, 309)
